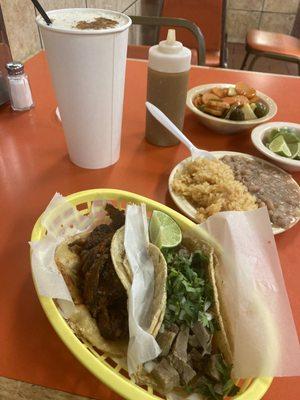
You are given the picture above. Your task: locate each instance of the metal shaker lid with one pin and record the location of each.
(15, 68)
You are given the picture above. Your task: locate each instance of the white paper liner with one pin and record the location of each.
(61, 220)
(142, 345)
(264, 333)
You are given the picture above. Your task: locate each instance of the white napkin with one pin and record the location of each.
(142, 346)
(61, 220)
(264, 333)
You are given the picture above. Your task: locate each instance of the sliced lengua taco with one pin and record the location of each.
(100, 297)
(196, 355)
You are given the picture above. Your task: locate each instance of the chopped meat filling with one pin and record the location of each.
(165, 375)
(181, 343)
(165, 340)
(101, 290)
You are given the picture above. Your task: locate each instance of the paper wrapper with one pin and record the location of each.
(142, 346)
(61, 220)
(263, 331)
(256, 301)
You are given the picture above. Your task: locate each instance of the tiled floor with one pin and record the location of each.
(236, 54)
(16, 390)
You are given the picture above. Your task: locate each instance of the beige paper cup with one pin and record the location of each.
(88, 74)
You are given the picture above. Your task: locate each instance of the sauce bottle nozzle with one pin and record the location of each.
(170, 45)
(171, 37)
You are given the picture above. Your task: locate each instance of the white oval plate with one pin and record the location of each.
(190, 211)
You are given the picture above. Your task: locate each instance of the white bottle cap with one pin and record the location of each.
(169, 55)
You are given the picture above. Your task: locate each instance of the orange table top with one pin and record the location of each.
(34, 165)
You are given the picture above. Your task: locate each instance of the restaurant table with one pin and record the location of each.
(34, 165)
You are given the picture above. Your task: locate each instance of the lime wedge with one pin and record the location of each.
(273, 135)
(164, 231)
(279, 146)
(291, 137)
(295, 150)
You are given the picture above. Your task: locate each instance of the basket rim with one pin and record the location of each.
(101, 370)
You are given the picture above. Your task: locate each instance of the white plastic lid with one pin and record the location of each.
(169, 55)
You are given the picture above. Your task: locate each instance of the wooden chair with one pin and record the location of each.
(273, 45)
(210, 16)
(207, 15)
(140, 51)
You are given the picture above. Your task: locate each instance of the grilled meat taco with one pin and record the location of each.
(196, 352)
(100, 296)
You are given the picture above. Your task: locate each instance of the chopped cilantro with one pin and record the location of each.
(190, 298)
(229, 388)
(189, 293)
(223, 387)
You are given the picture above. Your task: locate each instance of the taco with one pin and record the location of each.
(124, 273)
(187, 315)
(99, 295)
(196, 354)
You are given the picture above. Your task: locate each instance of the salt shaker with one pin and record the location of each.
(19, 87)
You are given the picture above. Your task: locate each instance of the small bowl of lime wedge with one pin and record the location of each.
(279, 141)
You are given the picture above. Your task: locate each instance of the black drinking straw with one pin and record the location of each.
(42, 11)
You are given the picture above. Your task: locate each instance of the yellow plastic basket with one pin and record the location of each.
(101, 365)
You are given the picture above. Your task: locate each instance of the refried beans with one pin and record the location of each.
(272, 188)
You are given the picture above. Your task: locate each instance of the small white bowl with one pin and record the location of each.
(226, 126)
(257, 137)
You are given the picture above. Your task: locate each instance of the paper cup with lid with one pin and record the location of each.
(86, 52)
